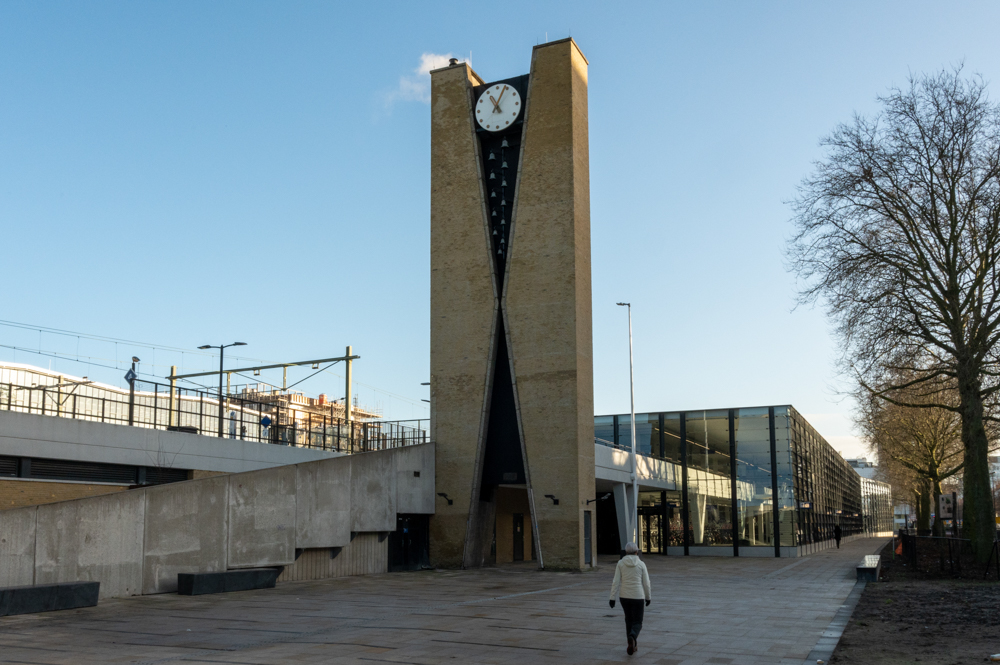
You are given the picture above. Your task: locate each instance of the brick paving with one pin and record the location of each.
(715, 611)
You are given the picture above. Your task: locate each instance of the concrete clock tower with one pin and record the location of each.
(512, 406)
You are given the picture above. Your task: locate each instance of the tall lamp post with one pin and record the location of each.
(635, 466)
(222, 350)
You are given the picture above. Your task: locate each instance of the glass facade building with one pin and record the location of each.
(754, 482)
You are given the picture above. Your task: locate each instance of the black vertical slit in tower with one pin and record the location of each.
(503, 462)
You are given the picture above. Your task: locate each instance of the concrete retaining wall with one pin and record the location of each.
(92, 540)
(17, 546)
(323, 506)
(262, 518)
(367, 554)
(136, 542)
(184, 531)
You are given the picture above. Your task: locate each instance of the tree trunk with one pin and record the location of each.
(915, 502)
(979, 524)
(936, 505)
(924, 512)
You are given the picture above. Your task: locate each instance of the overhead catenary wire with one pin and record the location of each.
(102, 338)
(118, 363)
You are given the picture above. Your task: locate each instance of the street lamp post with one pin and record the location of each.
(222, 350)
(635, 466)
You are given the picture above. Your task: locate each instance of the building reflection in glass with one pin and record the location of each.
(752, 480)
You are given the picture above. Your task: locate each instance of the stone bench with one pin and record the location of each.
(869, 568)
(48, 597)
(196, 584)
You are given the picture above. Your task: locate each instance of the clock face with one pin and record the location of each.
(498, 107)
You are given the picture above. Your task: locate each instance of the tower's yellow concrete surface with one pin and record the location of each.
(463, 306)
(547, 301)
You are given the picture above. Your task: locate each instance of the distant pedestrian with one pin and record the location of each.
(837, 533)
(631, 585)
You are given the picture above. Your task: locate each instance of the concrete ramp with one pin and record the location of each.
(136, 542)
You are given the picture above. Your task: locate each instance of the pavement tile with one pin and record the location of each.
(705, 611)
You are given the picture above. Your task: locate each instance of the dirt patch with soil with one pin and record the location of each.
(911, 617)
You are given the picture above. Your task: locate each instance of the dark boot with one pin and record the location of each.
(631, 645)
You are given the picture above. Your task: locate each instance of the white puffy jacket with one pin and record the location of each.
(631, 579)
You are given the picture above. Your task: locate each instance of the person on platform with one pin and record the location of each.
(837, 533)
(631, 585)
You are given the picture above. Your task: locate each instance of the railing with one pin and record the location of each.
(611, 444)
(158, 406)
(922, 552)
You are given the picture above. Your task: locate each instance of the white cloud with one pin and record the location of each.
(416, 87)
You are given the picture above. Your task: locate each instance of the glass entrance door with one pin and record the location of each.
(650, 530)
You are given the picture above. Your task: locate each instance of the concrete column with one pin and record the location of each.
(463, 308)
(547, 301)
(623, 508)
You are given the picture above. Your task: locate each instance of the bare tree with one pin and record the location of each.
(924, 441)
(898, 234)
(909, 486)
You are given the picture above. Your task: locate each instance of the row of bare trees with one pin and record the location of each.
(898, 236)
(919, 449)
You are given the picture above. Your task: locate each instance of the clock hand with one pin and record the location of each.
(500, 97)
(496, 104)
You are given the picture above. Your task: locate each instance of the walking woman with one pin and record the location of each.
(631, 585)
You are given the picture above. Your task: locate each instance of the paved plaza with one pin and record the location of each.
(705, 610)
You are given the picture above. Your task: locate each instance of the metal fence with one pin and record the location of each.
(937, 554)
(160, 406)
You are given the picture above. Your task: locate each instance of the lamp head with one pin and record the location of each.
(239, 343)
(623, 304)
(134, 359)
(205, 346)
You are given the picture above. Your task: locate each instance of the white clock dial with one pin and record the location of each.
(498, 107)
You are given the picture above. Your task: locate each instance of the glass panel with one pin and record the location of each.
(783, 456)
(755, 521)
(672, 437)
(604, 430)
(827, 490)
(647, 432)
(650, 521)
(710, 520)
(675, 521)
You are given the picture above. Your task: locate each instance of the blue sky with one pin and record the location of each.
(183, 173)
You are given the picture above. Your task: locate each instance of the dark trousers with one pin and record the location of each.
(633, 608)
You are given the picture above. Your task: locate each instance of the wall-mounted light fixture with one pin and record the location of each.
(445, 497)
(600, 498)
(555, 501)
